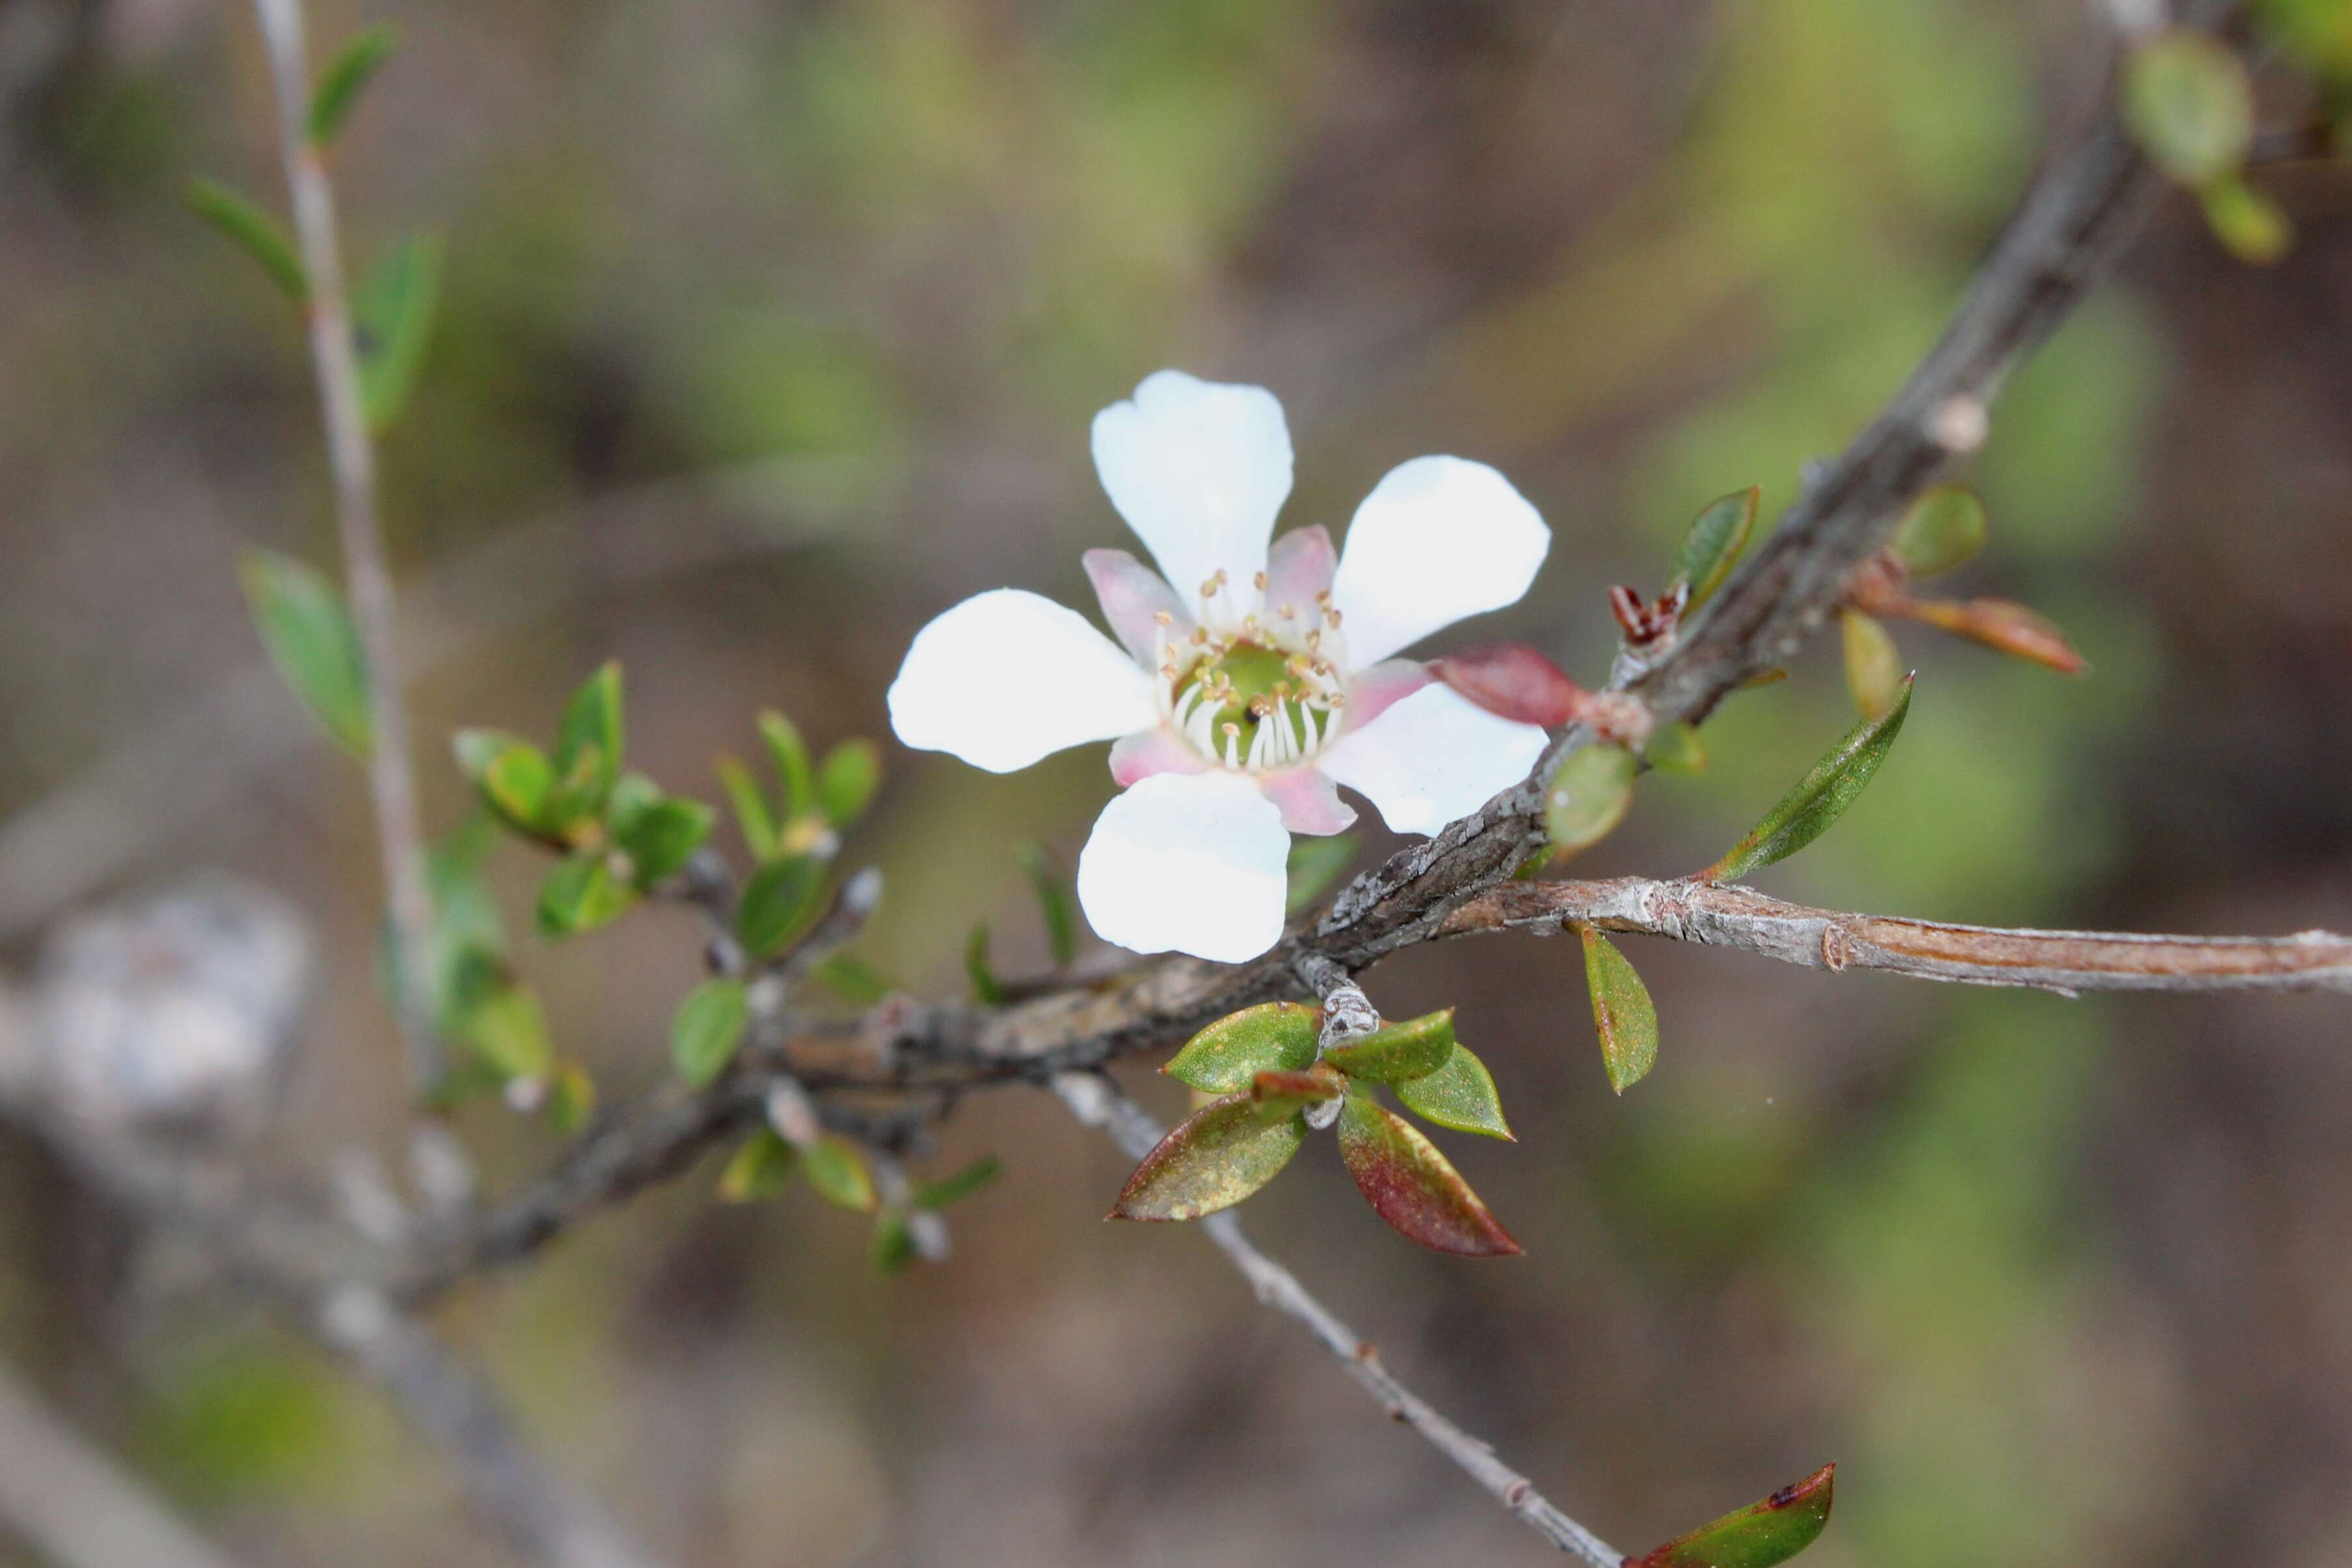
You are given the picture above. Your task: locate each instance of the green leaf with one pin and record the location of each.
(1397, 1053)
(759, 1168)
(1226, 1057)
(311, 638)
(1315, 864)
(1588, 797)
(1411, 1185)
(986, 989)
(2252, 226)
(1943, 528)
(392, 322)
(588, 743)
(1759, 1536)
(468, 932)
(513, 775)
(1622, 1011)
(791, 755)
(1677, 749)
(708, 1027)
(659, 831)
(579, 895)
(346, 75)
(509, 1031)
(251, 229)
(1215, 1158)
(750, 804)
(852, 980)
(954, 1188)
(892, 1247)
(1459, 1095)
(571, 1098)
(2187, 99)
(1874, 669)
(776, 901)
(838, 1172)
(847, 779)
(1053, 902)
(1711, 547)
(1820, 798)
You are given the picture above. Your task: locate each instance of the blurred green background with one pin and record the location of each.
(772, 329)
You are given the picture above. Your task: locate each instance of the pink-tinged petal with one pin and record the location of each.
(1133, 598)
(1298, 569)
(1434, 757)
(1310, 802)
(1134, 758)
(1008, 676)
(1372, 693)
(1190, 864)
(1437, 539)
(1197, 469)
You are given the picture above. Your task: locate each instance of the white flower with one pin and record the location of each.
(1264, 676)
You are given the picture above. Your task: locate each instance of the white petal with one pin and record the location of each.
(1134, 758)
(1437, 539)
(1309, 802)
(1299, 568)
(1188, 864)
(1008, 676)
(1432, 758)
(1197, 469)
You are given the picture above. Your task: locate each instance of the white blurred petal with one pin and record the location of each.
(1133, 596)
(1299, 567)
(1187, 863)
(1372, 693)
(1432, 758)
(1197, 469)
(1437, 539)
(1008, 676)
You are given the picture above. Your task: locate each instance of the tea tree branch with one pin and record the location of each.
(2064, 961)
(350, 452)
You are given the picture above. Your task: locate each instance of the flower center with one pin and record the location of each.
(1254, 697)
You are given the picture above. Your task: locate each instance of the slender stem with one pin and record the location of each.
(2063, 961)
(1093, 1100)
(350, 452)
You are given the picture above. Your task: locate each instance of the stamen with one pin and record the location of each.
(1288, 611)
(1163, 617)
(1260, 580)
(1331, 619)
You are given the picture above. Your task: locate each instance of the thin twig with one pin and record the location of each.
(2063, 961)
(461, 1413)
(1095, 1101)
(76, 1507)
(350, 452)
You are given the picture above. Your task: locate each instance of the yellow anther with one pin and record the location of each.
(1260, 580)
(1163, 618)
(1331, 619)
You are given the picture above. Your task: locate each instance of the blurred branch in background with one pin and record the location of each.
(69, 1502)
(350, 450)
(2064, 961)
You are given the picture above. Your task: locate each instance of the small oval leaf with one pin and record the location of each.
(1512, 681)
(1677, 749)
(954, 1188)
(758, 1169)
(1060, 916)
(838, 1173)
(1410, 1185)
(846, 780)
(1874, 669)
(1279, 1093)
(1943, 528)
(777, 899)
(346, 76)
(794, 772)
(659, 831)
(391, 315)
(589, 740)
(1711, 545)
(1228, 1055)
(253, 230)
(1622, 1011)
(2250, 225)
(1588, 797)
(708, 1027)
(1820, 798)
(2003, 624)
(1460, 1095)
(310, 636)
(1397, 1053)
(2189, 103)
(1215, 1158)
(1761, 1535)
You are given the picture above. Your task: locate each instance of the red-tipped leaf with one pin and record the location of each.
(1216, 1157)
(1410, 1185)
(1760, 1535)
(1514, 681)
